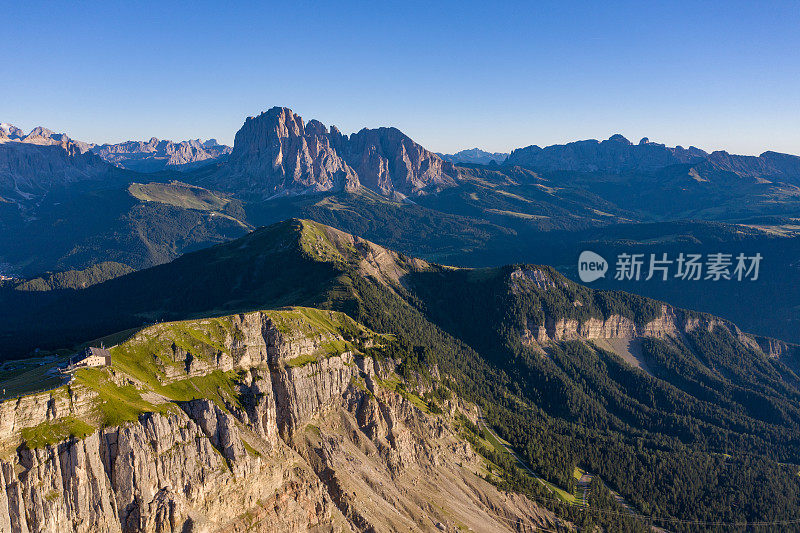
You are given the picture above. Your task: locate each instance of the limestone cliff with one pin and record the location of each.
(670, 322)
(265, 421)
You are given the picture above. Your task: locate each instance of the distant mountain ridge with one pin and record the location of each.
(32, 165)
(617, 155)
(475, 156)
(155, 155)
(277, 154)
(141, 156)
(39, 136)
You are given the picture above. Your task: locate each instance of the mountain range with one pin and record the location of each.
(63, 208)
(387, 383)
(271, 353)
(141, 156)
(155, 155)
(618, 155)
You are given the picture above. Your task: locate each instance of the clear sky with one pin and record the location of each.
(452, 75)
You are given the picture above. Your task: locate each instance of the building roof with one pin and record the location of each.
(98, 352)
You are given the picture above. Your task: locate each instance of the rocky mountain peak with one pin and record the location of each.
(10, 131)
(276, 153)
(40, 131)
(388, 161)
(619, 138)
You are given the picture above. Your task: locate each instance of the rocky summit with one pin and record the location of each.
(277, 154)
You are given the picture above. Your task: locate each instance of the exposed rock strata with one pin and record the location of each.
(672, 323)
(315, 447)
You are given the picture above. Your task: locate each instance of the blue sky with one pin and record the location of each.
(452, 75)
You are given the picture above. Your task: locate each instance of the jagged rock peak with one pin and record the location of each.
(276, 153)
(10, 131)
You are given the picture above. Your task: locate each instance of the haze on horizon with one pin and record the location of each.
(454, 75)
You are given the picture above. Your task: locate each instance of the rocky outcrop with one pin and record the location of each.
(155, 155)
(277, 154)
(28, 411)
(320, 446)
(779, 349)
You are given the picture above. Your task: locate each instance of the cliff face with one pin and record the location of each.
(31, 169)
(276, 154)
(318, 444)
(672, 324)
(183, 470)
(387, 161)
